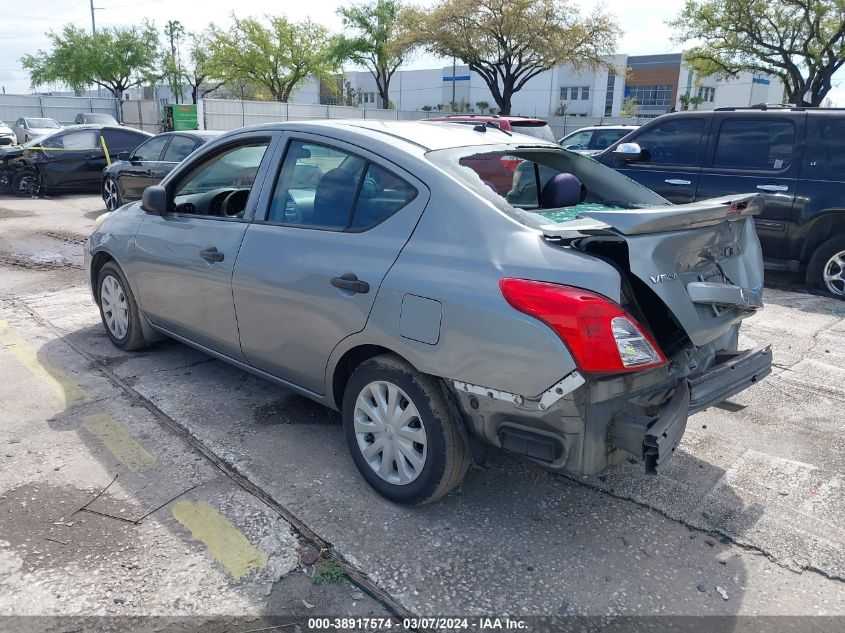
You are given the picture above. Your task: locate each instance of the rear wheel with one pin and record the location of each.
(26, 183)
(826, 270)
(111, 194)
(401, 434)
(118, 309)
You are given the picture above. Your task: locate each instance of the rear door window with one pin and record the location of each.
(675, 141)
(122, 140)
(382, 194)
(759, 144)
(82, 140)
(825, 158)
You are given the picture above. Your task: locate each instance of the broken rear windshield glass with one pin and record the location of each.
(543, 185)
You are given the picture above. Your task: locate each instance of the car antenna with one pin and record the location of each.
(482, 127)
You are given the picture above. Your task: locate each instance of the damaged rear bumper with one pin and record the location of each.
(604, 420)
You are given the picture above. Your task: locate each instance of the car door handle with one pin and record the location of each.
(773, 187)
(677, 182)
(212, 254)
(349, 281)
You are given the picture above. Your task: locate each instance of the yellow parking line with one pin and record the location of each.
(67, 390)
(120, 444)
(224, 541)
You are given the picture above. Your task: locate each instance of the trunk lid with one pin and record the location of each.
(702, 260)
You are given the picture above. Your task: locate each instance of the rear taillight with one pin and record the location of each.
(600, 334)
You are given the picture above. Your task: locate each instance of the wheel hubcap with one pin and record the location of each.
(834, 274)
(110, 191)
(115, 307)
(390, 432)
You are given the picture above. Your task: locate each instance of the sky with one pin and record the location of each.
(22, 31)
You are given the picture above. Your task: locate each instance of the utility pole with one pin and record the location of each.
(93, 23)
(454, 105)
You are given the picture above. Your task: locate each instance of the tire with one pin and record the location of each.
(26, 183)
(432, 455)
(111, 194)
(118, 309)
(826, 270)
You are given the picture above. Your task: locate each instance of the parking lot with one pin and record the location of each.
(165, 482)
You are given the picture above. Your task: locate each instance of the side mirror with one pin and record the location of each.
(628, 152)
(123, 156)
(154, 200)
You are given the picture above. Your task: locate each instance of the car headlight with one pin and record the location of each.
(100, 219)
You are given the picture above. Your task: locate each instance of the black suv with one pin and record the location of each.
(794, 156)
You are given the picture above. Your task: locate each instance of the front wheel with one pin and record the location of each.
(26, 183)
(826, 270)
(402, 436)
(118, 309)
(111, 194)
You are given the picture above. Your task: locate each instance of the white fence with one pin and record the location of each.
(62, 109)
(142, 114)
(228, 114)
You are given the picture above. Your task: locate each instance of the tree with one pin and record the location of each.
(561, 108)
(174, 32)
(198, 74)
(482, 106)
(686, 101)
(277, 57)
(802, 42)
(116, 58)
(508, 42)
(378, 42)
(629, 107)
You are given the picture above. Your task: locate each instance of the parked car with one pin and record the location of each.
(402, 290)
(71, 159)
(592, 140)
(29, 128)
(95, 117)
(795, 157)
(516, 124)
(125, 179)
(7, 135)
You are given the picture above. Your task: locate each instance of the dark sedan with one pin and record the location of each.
(70, 159)
(125, 180)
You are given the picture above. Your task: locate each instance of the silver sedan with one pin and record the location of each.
(447, 288)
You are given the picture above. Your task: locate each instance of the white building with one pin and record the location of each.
(659, 83)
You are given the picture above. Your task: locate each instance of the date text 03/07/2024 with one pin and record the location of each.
(379, 624)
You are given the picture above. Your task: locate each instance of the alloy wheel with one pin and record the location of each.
(834, 274)
(28, 186)
(115, 306)
(110, 194)
(390, 433)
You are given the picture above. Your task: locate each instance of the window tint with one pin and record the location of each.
(179, 148)
(579, 140)
(382, 194)
(606, 138)
(151, 150)
(81, 140)
(672, 142)
(825, 159)
(755, 144)
(219, 185)
(317, 186)
(123, 140)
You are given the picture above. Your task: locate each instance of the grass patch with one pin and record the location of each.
(330, 571)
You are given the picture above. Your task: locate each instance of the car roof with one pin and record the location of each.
(488, 117)
(422, 134)
(205, 135)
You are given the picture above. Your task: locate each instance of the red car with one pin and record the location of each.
(498, 171)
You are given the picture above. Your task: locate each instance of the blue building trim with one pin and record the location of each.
(457, 78)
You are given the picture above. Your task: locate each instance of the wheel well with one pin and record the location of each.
(826, 227)
(99, 260)
(348, 363)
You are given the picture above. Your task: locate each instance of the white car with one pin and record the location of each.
(29, 128)
(592, 140)
(7, 136)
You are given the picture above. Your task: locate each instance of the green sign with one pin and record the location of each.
(185, 117)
